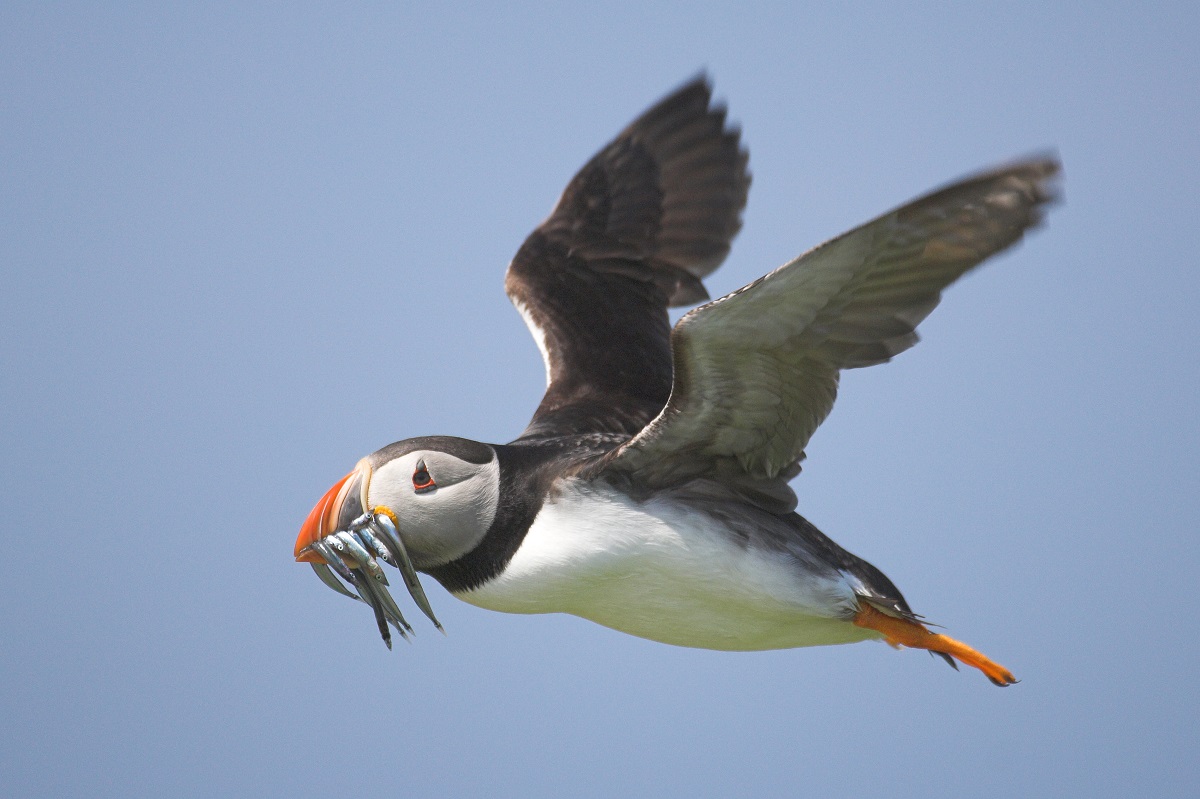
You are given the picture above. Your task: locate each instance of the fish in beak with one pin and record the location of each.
(341, 538)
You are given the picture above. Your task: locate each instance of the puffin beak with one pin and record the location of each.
(340, 535)
(321, 521)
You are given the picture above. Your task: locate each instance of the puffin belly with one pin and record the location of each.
(668, 572)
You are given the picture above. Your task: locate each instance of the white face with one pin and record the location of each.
(443, 504)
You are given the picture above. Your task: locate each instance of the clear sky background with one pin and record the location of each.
(244, 245)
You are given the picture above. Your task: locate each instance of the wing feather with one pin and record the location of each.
(756, 371)
(633, 233)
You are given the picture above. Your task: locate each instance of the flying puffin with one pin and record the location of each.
(649, 493)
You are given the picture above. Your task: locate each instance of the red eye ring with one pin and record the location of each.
(422, 480)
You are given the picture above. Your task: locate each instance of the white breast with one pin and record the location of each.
(664, 571)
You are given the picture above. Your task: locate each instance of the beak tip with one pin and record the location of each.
(308, 555)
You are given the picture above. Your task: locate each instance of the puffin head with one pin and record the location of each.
(439, 492)
(415, 504)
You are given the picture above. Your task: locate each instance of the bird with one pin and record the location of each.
(650, 491)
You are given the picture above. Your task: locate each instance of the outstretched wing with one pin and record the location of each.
(757, 371)
(634, 232)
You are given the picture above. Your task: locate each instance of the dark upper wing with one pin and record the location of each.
(634, 232)
(757, 371)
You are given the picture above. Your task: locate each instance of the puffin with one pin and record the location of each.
(650, 491)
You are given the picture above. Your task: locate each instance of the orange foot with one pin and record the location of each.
(902, 632)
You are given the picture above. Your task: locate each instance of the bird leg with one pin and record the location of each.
(903, 632)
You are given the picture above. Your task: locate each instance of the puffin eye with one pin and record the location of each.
(422, 481)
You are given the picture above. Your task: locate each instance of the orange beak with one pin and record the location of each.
(321, 521)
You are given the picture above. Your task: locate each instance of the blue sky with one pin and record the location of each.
(220, 228)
